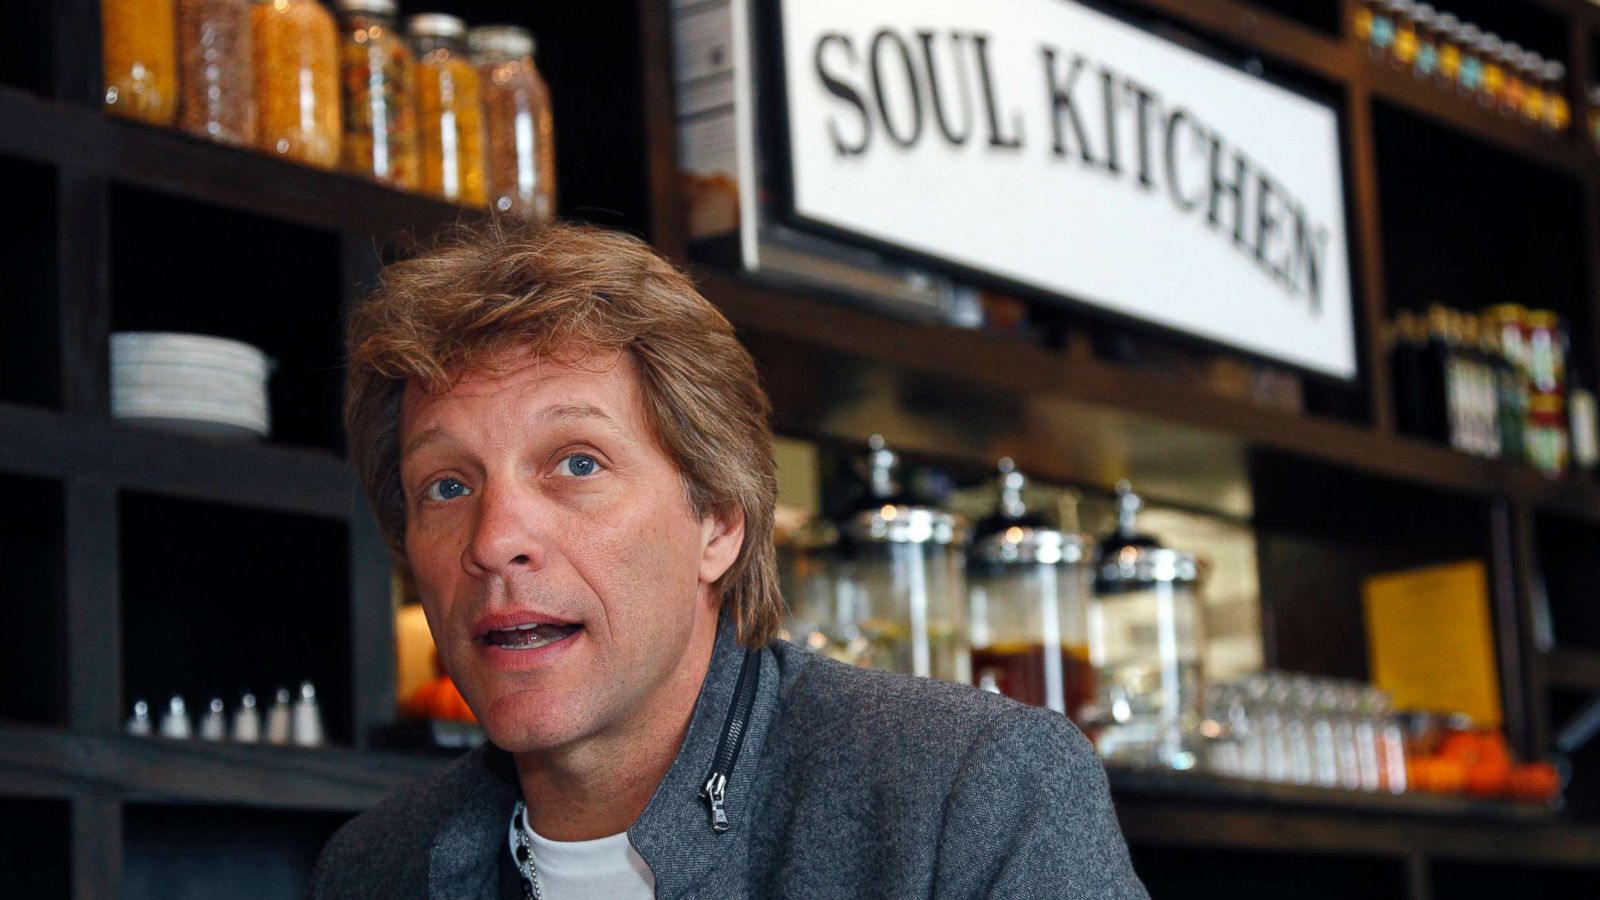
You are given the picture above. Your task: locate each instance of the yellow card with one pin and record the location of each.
(1430, 640)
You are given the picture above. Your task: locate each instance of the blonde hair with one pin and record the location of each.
(556, 290)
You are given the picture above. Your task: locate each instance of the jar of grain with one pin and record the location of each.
(449, 110)
(518, 122)
(140, 58)
(216, 83)
(297, 81)
(380, 123)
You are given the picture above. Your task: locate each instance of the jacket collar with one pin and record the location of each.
(673, 835)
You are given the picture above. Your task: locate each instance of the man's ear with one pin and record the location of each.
(722, 536)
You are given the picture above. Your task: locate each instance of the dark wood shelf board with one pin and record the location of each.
(1563, 153)
(296, 480)
(843, 373)
(152, 770)
(1576, 670)
(165, 160)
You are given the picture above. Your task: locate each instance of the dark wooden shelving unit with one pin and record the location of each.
(101, 204)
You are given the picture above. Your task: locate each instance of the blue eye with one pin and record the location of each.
(447, 489)
(578, 465)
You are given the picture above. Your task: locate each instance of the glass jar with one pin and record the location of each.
(1447, 37)
(1403, 53)
(1557, 109)
(518, 122)
(1029, 587)
(139, 56)
(1145, 642)
(380, 121)
(297, 81)
(216, 77)
(449, 110)
(902, 566)
(1534, 97)
(1469, 81)
(1493, 83)
(1426, 65)
(1512, 86)
(819, 616)
(1546, 352)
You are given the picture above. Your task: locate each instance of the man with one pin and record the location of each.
(570, 449)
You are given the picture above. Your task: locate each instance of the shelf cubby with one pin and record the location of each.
(181, 265)
(35, 848)
(32, 579)
(1196, 874)
(1480, 881)
(30, 357)
(1569, 708)
(1568, 559)
(203, 852)
(216, 599)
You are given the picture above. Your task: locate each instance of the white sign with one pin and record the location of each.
(1057, 148)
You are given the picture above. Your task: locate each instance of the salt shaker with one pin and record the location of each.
(214, 726)
(247, 720)
(175, 721)
(278, 718)
(307, 717)
(139, 722)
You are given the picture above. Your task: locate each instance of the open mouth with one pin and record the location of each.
(530, 637)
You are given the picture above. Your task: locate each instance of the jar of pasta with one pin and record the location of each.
(297, 81)
(380, 123)
(518, 123)
(449, 110)
(216, 72)
(140, 59)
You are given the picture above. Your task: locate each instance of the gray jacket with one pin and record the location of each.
(848, 783)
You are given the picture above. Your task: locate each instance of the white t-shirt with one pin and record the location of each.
(605, 868)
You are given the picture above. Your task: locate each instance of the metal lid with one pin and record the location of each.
(507, 39)
(895, 523)
(1555, 70)
(1034, 545)
(1131, 568)
(437, 25)
(375, 7)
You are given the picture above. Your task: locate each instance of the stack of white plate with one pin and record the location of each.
(190, 382)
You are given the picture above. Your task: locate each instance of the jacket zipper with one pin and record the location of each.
(714, 791)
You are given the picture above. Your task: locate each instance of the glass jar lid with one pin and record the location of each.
(436, 25)
(898, 523)
(508, 39)
(374, 7)
(1034, 545)
(1134, 568)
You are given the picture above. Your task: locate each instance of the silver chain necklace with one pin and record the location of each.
(524, 854)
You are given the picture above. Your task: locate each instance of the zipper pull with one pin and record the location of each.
(715, 793)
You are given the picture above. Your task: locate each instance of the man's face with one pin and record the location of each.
(564, 575)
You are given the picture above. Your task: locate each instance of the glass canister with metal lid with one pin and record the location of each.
(1146, 640)
(902, 564)
(1028, 587)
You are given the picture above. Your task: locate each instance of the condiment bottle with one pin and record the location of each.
(379, 103)
(297, 81)
(139, 59)
(518, 121)
(216, 71)
(449, 110)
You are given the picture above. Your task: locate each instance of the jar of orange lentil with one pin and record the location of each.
(216, 82)
(380, 123)
(297, 81)
(139, 56)
(518, 121)
(449, 110)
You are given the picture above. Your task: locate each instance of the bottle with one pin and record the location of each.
(519, 123)
(1546, 356)
(1485, 388)
(307, 725)
(379, 102)
(449, 110)
(297, 81)
(1584, 419)
(214, 725)
(1547, 435)
(139, 59)
(1447, 36)
(1511, 399)
(139, 723)
(216, 71)
(247, 720)
(279, 720)
(175, 721)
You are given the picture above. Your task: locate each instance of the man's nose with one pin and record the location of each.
(505, 536)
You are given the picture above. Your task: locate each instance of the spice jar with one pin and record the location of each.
(518, 123)
(903, 565)
(380, 122)
(1447, 36)
(297, 81)
(1145, 641)
(1469, 80)
(1029, 586)
(449, 110)
(139, 55)
(1534, 97)
(1493, 83)
(1426, 64)
(216, 97)
(1403, 54)
(1512, 86)
(1557, 110)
